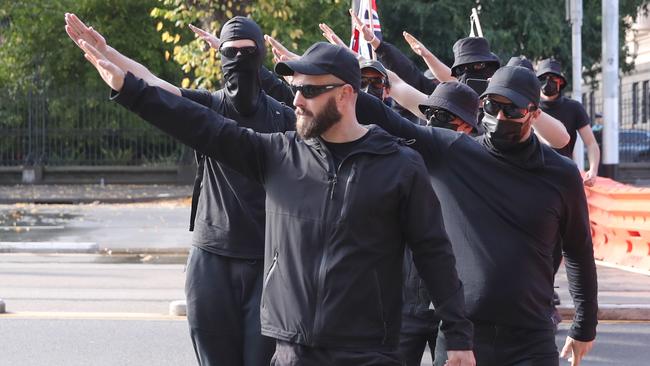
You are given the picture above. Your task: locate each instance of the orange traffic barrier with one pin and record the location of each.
(620, 223)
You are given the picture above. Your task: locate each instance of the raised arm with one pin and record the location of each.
(550, 131)
(407, 96)
(441, 71)
(78, 31)
(202, 129)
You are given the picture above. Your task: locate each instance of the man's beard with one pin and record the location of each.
(309, 125)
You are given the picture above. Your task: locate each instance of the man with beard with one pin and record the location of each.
(507, 199)
(225, 265)
(570, 112)
(334, 238)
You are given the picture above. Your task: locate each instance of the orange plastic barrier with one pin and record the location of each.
(620, 223)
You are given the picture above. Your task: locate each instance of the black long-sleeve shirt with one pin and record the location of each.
(504, 220)
(393, 59)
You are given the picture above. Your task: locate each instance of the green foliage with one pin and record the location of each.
(292, 22)
(536, 29)
(36, 52)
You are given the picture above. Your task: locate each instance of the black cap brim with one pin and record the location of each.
(516, 98)
(443, 103)
(288, 68)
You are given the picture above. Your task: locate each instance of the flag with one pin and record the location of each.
(366, 10)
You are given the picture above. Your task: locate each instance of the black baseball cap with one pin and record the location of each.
(375, 65)
(550, 66)
(516, 83)
(457, 98)
(470, 50)
(324, 58)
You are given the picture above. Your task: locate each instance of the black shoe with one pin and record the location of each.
(556, 298)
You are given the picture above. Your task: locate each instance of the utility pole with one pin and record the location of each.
(575, 14)
(610, 88)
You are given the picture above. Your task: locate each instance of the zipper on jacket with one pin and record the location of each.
(346, 194)
(268, 275)
(381, 309)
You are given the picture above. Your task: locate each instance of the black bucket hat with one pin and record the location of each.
(472, 49)
(516, 83)
(324, 58)
(551, 66)
(457, 98)
(521, 61)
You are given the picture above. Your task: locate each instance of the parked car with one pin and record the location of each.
(634, 146)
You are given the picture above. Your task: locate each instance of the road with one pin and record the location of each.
(88, 309)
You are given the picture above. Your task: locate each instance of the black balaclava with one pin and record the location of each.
(376, 92)
(550, 88)
(241, 74)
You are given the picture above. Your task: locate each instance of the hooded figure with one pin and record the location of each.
(241, 72)
(225, 266)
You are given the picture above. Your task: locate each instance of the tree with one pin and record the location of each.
(36, 51)
(293, 22)
(536, 29)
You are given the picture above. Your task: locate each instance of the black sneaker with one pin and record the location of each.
(556, 298)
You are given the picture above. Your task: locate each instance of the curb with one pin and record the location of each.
(632, 312)
(178, 308)
(87, 200)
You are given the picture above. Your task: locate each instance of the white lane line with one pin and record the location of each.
(47, 246)
(624, 268)
(88, 316)
(28, 228)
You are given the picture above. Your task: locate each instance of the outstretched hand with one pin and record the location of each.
(113, 76)
(329, 34)
(280, 53)
(368, 34)
(78, 31)
(209, 38)
(416, 45)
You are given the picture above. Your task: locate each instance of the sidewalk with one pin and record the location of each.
(91, 193)
(622, 295)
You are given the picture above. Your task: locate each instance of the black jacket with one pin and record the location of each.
(334, 236)
(504, 219)
(227, 208)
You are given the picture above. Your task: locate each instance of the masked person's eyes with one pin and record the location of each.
(477, 66)
(231, 52)
(377, 83)
(509, 110)
(312, 91)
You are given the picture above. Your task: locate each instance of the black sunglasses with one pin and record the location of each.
(312, 91)
(476, 66)
(509, 110)
(231, 52)
(440, 115)
(556, 79)
(376, 82)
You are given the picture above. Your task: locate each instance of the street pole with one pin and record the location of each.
(576, 93)
(610, 88)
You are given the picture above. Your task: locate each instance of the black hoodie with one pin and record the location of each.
(228, 209)
(504, 218)
(334, 235)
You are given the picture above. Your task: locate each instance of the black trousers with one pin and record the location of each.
(293, 354)
(223, 310)
(414, 336)
(507, 346)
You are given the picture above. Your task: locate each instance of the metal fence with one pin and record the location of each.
(77, 127)
(634, 119)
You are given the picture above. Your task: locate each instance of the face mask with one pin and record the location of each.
(550, 88)
(434, 122)
(241, 72)
(376, 92)
(242, 80)
(490, 122)
(508, 134)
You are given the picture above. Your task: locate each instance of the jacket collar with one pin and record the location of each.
(377, 142)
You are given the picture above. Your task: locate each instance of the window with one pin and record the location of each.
(645, 110)
(635, 103)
